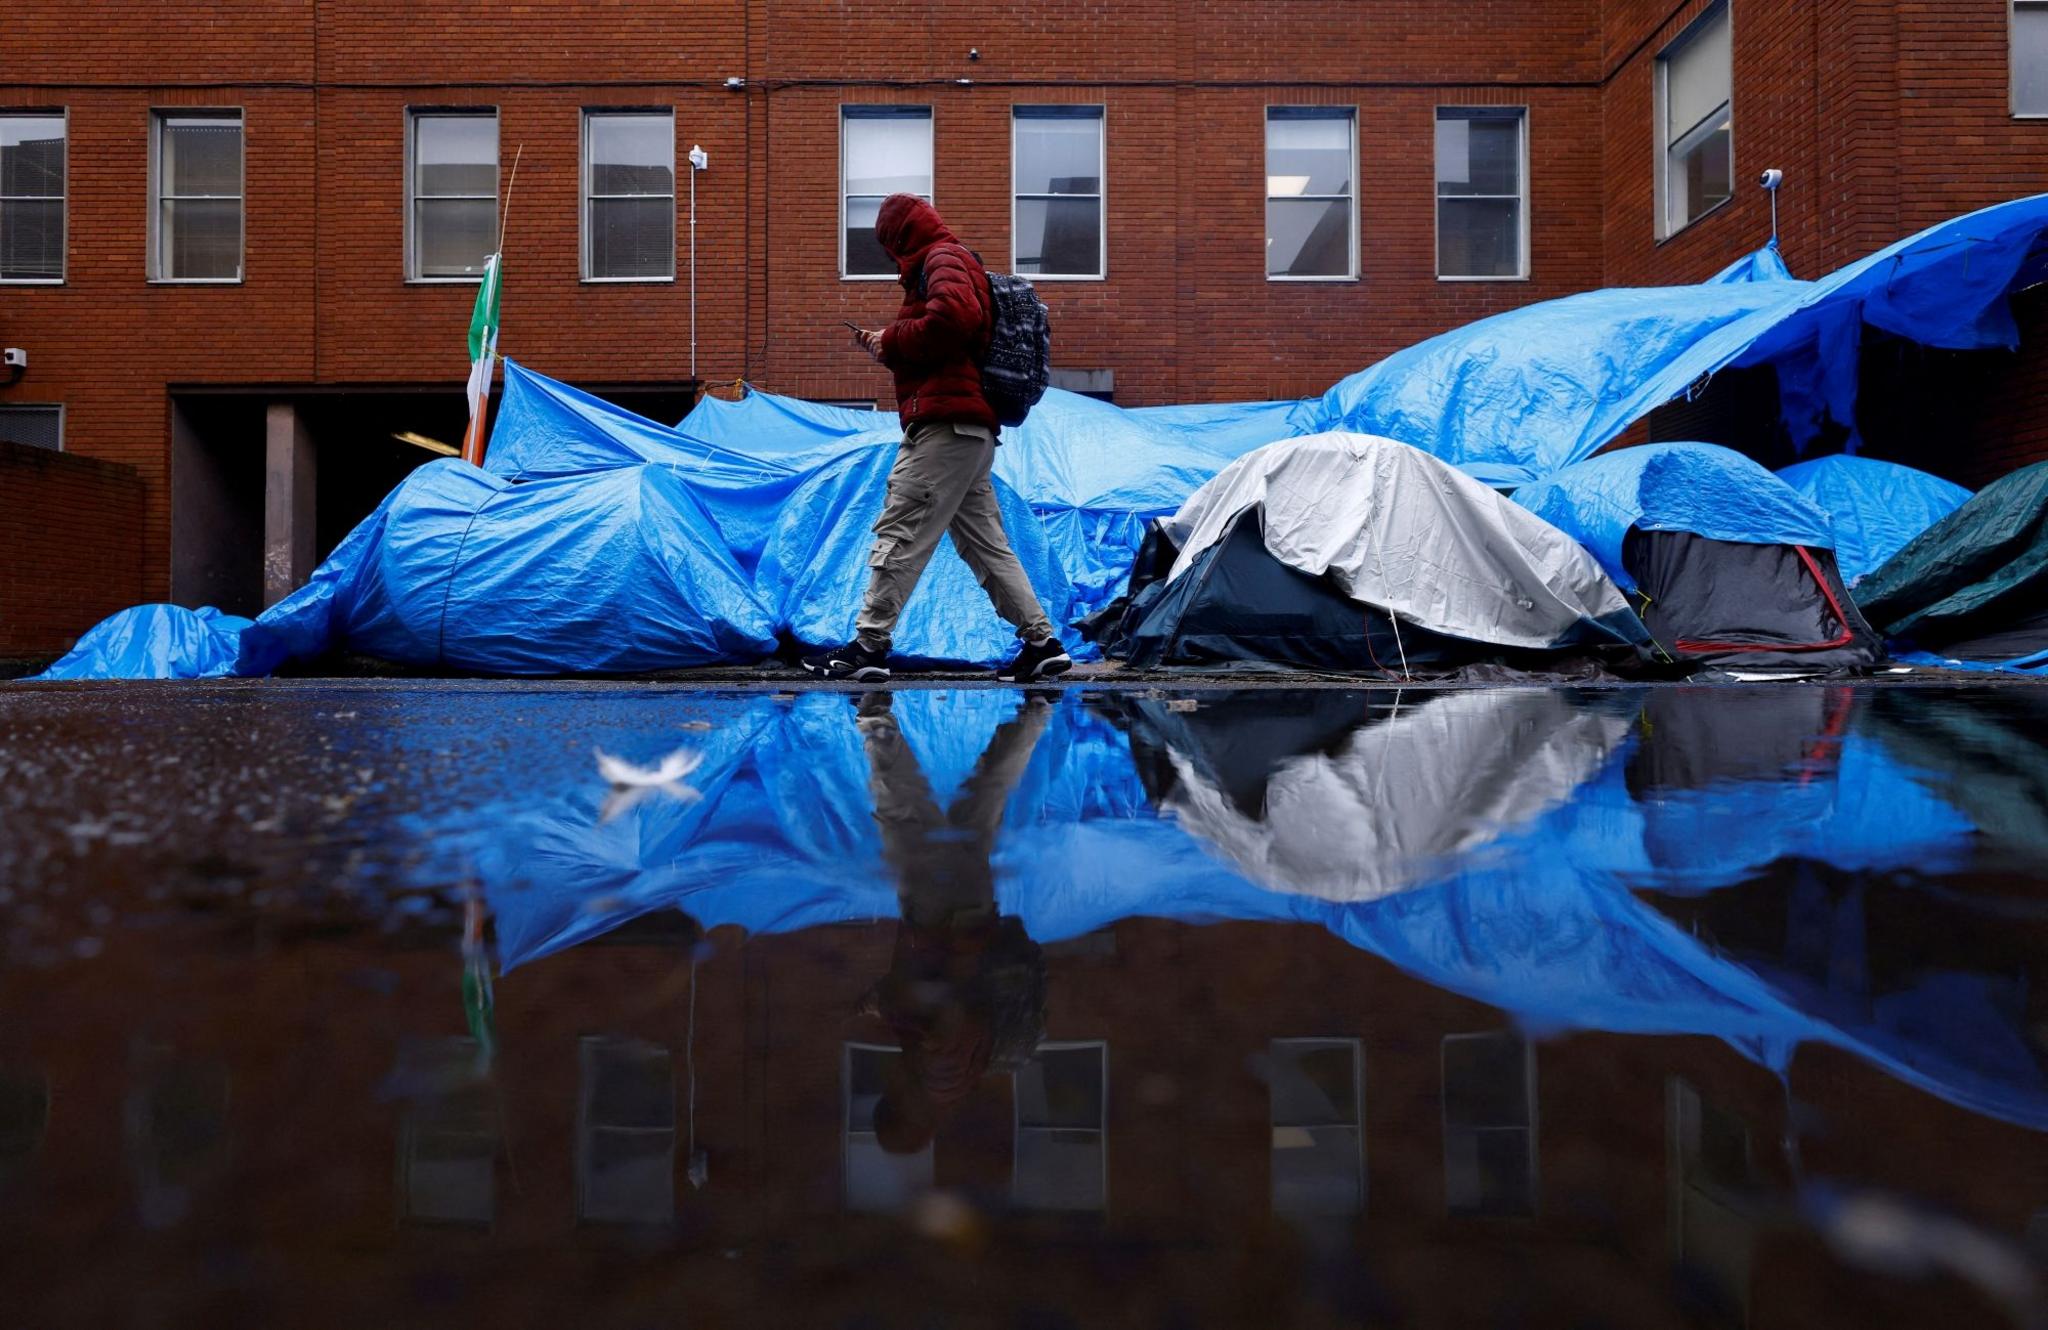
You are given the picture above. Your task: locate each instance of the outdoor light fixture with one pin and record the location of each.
(422, 441)
(735, 84)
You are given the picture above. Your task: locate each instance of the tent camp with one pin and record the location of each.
(1731, 567)
(1874, 507)
(1974, 586)
(1344, 551)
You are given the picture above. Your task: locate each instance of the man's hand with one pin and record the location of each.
(870, 341)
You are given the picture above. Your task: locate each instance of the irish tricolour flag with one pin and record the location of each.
(483, 355)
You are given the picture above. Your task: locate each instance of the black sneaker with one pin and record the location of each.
(1036, 660)
(855, 661)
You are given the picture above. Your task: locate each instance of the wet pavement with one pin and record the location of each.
(405, 1003)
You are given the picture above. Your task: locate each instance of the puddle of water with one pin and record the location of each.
(1630, 1007)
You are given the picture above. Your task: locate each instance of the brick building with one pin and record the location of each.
(235, 238)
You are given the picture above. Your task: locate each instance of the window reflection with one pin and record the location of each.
(1489, 1124)
(625, 1132)
(448, 1136)
(1318, 1142)
(1062, 1101)
(876, 1178)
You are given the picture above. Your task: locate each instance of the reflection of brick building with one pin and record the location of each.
(189, 323)
(236, 1138)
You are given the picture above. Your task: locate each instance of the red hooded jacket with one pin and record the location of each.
(939, 334)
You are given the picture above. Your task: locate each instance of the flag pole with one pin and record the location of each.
(483, 332)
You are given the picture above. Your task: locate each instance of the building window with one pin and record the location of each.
(629, 196)
(452, 194)
(1489, 1124)
(36, 426)
(197, 169)
(883, 150)
(625, 1133)
(1062, 1105)
(1310, 153)
(1056, 166)
(1712, 1218)
(32, 197)
(1696, 161)
(2030, 57)
(876, 1177)
(1318, 1137)
(1482, 206)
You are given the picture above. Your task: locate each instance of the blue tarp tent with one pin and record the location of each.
(1875, 507)
(1524, 394)
(1697, 487)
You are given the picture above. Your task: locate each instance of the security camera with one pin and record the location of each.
(14, 358)
(1771, 179)
(974, 53)
(735, 84)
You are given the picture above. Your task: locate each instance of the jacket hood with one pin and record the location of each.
(906, 227)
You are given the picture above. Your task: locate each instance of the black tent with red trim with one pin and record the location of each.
(1729, 566)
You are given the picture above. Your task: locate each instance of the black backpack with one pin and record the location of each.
(1017, 364)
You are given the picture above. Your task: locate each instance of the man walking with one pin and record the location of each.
(940, 481)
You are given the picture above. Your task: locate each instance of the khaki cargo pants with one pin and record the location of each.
(940, 484)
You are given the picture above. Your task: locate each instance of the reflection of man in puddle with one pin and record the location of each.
(966, 988)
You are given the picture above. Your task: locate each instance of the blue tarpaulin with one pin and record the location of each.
(1876, 508)
(1514, 399)
(1698, 487)
(1524, 394)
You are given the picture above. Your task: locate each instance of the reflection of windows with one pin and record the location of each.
(452, 194)
(32, 196)
(883, 150)
(24, 1116)
(625, 1133)
(176, 1118)
(2030, 57)
(629, 196)
(1309, 156)
(1056, 227)
(196, 172)
(876, 1179)
(1707, 1181)
(1318, 1144)
(448, 1139)
(1481, 195)
(1696, 156)
(1489, 1124)
(1062, 1104)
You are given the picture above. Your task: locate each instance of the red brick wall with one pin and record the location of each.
(70, 546)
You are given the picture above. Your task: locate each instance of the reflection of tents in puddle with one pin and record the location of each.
(1382, 794)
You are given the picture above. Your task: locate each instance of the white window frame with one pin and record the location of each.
(8, 408)
(1521, 273)
(2012, 23)
(584, 196)
(1662, 145)
(64, 196)
(1348, 114)
(159, 117)
(413, 116)
(931, 118)
(1101, 194)
(1357, 1123)
(1017, 1127)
